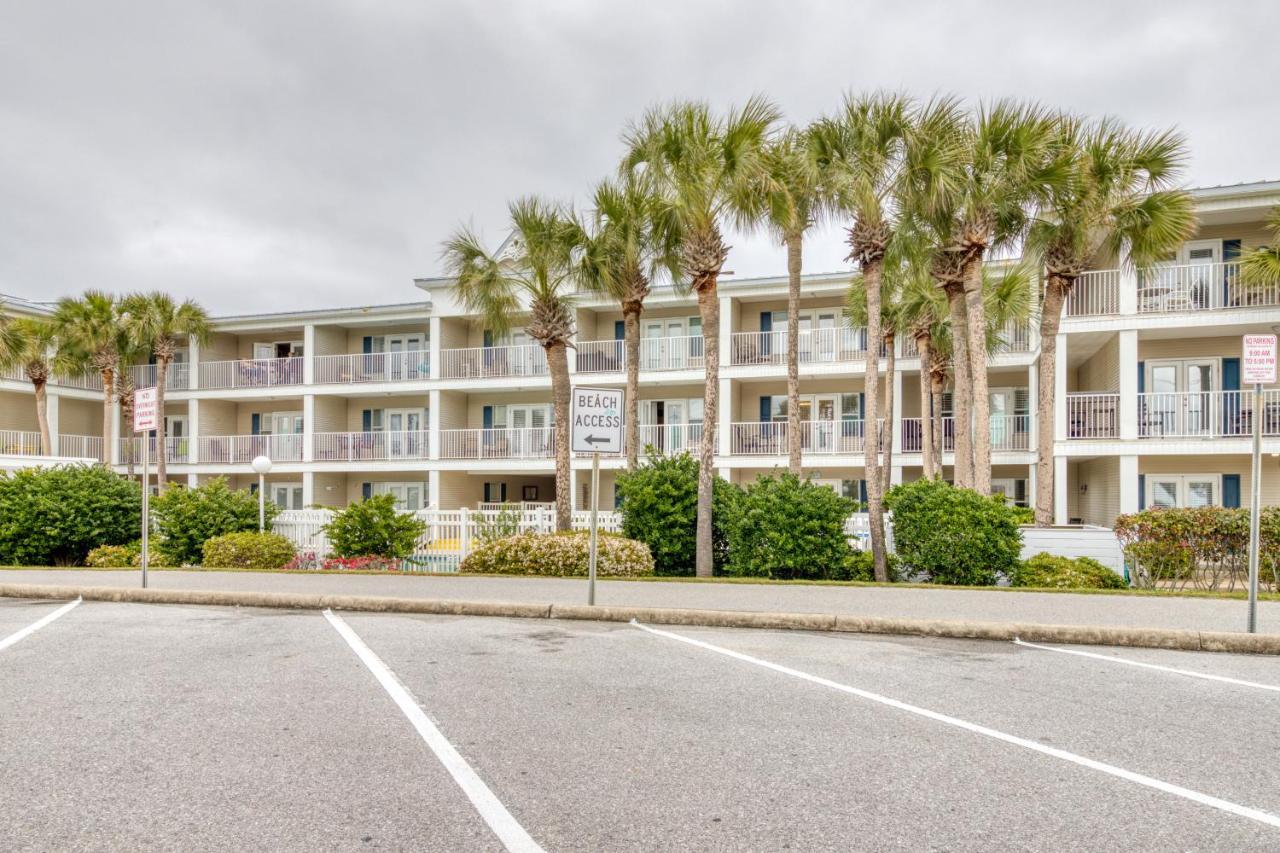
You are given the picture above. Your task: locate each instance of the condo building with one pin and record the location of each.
(420, 401)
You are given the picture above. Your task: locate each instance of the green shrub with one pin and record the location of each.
(187, 518)
(861, 566)
(785, 527)
(1205, 547)
(505, 522)
(560, 554)
(248, 551)
(373, 528)
(659, 506)
(952, 536)
(1056, 572)
(123, 557)
(54, 516)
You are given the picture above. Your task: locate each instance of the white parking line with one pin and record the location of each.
(1155, 666)
(512, 835)
(37, 625)
(1112, 770)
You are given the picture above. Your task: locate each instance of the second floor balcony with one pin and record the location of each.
(1169, 289)
(371, 446)
(493, 362)
(1179, 415)
(836, 345)
(252, 373)
(243, 449)
(656, 354)
(361, 368)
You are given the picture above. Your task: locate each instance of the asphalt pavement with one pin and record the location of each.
(1135, 611)
(129, 726)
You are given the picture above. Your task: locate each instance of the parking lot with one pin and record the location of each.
(129, 726)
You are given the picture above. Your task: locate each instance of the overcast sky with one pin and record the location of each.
(268, 155)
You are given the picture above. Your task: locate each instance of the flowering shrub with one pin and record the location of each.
(560, 554)
(310, 561)
(122, 557)
(1204, 547)
(247, 551)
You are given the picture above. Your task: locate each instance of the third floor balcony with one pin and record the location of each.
(1169, 289)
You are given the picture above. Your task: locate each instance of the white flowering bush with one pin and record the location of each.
(560, 554)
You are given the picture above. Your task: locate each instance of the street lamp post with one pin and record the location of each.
(262, 467)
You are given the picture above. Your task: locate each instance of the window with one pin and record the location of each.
(286, 495)
(409, 496)
(495, 493)
(1183, 490)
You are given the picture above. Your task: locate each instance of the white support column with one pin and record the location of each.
(193, 480)
(1128, 484)
(895, 475)
(309, 351)
(433, 489)
(1033, 404)
(726, 331)
(308, 488)
(433, 347)
(308, 427)
(52, 407)
(895, 422)
(193, 431)
(724, 425)
(1060, 391)
(433, 425)
(1128, 384)
(1061, 509)
(1031, 485)
(113, 450)
(1127, 298)
(193, 364)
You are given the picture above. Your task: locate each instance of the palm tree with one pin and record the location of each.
(91, 325)
(156, 322)
(707, 171)
(538, 268)
(1120, 193)
(1003, 163)
(923, 314)
(862, 154)
(1260, 267)
(792, 201)
(29, 344)
(631, 243)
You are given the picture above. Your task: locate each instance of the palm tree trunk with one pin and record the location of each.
(1055, 294)
(42, 418)
(558, 363)
(937, 384)
(709, 310)
(886, 434)
(962, 390)
(108, 397)
(976, 314)
(925, 347)
(875, 496)
(162, 371)
(631, 332)
(794, 242)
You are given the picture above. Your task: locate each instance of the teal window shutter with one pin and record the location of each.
(1231, 490)
(488, 338)
(862, 491)
(366, 491)
(1142, 377)
(766, 408)
(255, 423)
(366, 420)
(367, 344)
(619, 330)
(1142, 491)
(1231, 402)
(487, 415)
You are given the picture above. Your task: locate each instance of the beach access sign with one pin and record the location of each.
(596, 420)
(1259, 359)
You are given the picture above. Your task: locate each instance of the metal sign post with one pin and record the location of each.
(596, 427)
(146, 417)
(1258, 368)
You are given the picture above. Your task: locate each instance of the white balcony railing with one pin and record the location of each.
(1095, 293)
(493, 362)
(1010, 432)
(529, 443)
(1014, 338)
(80, 446)
(176, 378)
(177, 450)
(251, 373)
(1206, 414)
(85, 382)
(656, 354)
(242, 449)
(671, 438)
(15, 442)
(360, 368)
(769, 438)
(913, 437)
(1199, 287)
(1092, 416)
(370, 446)
(814, 346)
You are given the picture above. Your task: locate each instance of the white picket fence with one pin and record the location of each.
(450, 534)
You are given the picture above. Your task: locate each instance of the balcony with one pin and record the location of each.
(1206, 414)
(502, 443)
(80, 446)
(242, 449)
(769, 438)
(815, 346)
(176, 378)
(1170, 289)
(19, 443)
(493, 362)
(361, 368)
(370, 446)
(656, 355)
(912, 436)
(1093, 416)
(177, 450)
(1096, 293)
(671, 439)
(251, 373)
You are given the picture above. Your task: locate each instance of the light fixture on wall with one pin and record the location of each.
(1084, 487)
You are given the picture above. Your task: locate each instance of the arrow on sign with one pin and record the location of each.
(596, 439)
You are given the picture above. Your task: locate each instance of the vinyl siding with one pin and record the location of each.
(1101, 371)
(1100, 503)
(357, 406)
(331, 340)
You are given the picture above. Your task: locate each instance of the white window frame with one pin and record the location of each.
(1183, 482)
(295, 491)
(388, 487)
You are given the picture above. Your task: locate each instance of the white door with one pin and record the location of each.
(286, 435)
(1197, 284)
(1182, 398)
(287, 495)
(675, 417)
(405, 433)
(402, 363)
(826, 407)
(1002, 426)
(651, 346)
(824, 334)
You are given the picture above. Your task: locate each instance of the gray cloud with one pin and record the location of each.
(268, 155)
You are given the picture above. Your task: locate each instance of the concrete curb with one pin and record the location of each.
(1155, 638)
